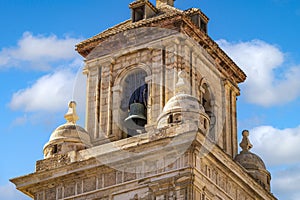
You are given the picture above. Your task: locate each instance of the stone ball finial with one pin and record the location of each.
(71, 116)
(253, 164)
(245, 144)
(72, 104)
(245, 133)
(67, 137)
(181, 74)
(182, 86)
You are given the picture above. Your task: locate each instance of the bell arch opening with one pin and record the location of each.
(206, 98)
(133, 103)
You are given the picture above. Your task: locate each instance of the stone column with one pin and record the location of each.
(92, 79)
(98, 104)
(110, 99)
(231, 92)
(150, 120)
(156, 84)
(228, 118)
(234, 94)
(116, 123)
(163, 78)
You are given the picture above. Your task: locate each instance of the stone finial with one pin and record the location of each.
(182, 87)
(71, 116)
(160, 3)
(245, 144)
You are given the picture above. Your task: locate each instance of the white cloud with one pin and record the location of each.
(261, 61)
(286, 183)
(277, 147)
(49, 93)
(39, 51)
(9, 192)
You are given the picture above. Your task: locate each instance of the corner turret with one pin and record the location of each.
(67, 137)
(253, 164)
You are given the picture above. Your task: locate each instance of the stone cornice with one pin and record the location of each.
(86, 46)
(224, 63)
(183, 23)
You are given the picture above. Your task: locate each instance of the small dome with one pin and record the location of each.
(70, 132)
(250, 161)
(67, 137)
(253, 164)
(183, 102)
(183, 108)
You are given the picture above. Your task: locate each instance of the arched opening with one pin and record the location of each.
(206, 98)
(207, 103)
(134, 103)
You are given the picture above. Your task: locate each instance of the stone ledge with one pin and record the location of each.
(51, 163)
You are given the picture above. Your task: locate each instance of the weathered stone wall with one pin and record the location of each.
(193, 176)
(161, 60)
(105, 182)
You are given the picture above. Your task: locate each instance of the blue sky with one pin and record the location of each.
(39, 67)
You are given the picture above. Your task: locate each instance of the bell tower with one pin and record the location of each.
(161, 118)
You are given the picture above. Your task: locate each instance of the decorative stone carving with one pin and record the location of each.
(110, 179)
(245, 144)
(67, 137)
(253, 164)
(69, 189)
(89, 184)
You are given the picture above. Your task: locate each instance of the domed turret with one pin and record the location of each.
(183, 108)
(253, 164)
(67, 137)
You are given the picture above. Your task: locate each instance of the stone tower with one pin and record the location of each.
(160, 118)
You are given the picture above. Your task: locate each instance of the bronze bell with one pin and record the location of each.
(137, 117)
